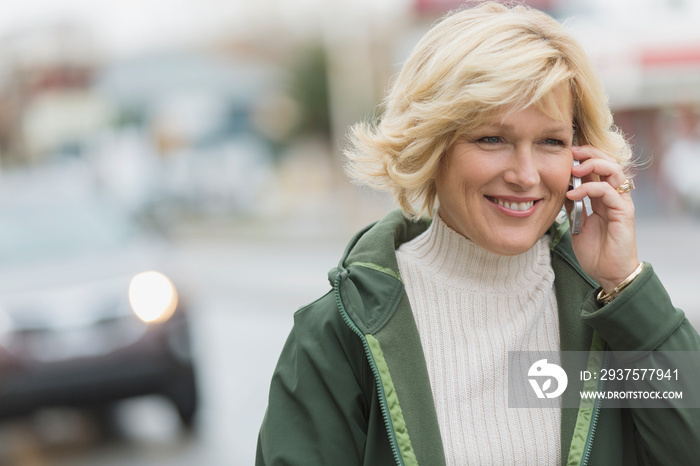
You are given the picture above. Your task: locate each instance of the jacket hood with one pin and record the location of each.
(377, 244)
(369, 273)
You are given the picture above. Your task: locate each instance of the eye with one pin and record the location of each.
(554, 142)
(489, 140)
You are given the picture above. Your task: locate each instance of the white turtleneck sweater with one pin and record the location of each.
(471, 307)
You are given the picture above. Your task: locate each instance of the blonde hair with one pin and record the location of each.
(473, 65)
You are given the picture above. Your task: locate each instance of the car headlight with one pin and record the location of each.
(152, 296)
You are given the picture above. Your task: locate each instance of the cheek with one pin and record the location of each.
(455, 180)
(558, 177)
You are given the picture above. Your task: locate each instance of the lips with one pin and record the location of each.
(518, 206)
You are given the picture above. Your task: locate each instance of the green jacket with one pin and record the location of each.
(351, 386)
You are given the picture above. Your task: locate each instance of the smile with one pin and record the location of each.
(512, 205)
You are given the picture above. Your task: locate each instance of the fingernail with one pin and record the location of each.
(575, 147)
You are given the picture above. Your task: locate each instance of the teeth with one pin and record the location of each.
(514, 205)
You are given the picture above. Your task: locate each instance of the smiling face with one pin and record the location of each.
(503, 184)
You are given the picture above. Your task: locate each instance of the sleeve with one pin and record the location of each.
(317, 411)
(643, 320)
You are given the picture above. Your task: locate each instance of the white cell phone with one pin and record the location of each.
(577, 211)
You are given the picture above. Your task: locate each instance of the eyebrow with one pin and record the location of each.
(561, 128)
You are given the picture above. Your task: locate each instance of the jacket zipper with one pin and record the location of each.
(368, 354)
(595, 415)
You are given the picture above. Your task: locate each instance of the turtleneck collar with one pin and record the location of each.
(457, 262)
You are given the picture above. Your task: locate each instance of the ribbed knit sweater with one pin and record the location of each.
(471, 307)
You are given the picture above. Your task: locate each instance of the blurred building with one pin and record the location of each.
(46, 101)
(188, 137)
(61, 95)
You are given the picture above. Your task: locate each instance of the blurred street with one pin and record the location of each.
(248, 282)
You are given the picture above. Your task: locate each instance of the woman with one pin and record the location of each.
(405, 360)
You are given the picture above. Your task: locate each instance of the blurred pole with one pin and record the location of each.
(357, 55)
(347, 39)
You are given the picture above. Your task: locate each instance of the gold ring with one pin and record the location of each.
(626, 187)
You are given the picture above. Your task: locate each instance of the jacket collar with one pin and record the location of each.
(378, 242)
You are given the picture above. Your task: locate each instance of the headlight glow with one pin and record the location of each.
(152, 296)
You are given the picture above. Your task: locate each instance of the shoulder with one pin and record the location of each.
(321, 315)
(321, 332)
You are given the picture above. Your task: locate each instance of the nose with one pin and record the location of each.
(523, 172)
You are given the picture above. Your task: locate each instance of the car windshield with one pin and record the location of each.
(52, 231)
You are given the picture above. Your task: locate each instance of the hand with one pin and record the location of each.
(605, 247)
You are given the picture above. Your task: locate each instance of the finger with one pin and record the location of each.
(625, 188)
(608, 171)
(589, 152)
(600, 191)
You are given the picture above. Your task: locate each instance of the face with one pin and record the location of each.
(503, 184)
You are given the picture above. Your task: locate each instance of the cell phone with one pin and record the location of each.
(577, 211)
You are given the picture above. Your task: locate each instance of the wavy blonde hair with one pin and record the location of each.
(472, 66)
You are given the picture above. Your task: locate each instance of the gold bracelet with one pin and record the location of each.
(605, 298)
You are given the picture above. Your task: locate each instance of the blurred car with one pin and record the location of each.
(86, 319)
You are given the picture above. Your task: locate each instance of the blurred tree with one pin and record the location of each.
(309, 87)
